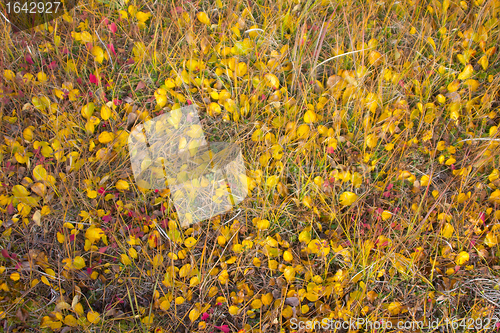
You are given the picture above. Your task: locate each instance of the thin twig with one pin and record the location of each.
(340, 55)
(109, 54)
(480, 139)
(320, 41)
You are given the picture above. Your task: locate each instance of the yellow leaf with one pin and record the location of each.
(272, 181)
(203, 18)
(494, 175)
(20, 191)
(431, 41)
(39, 189)
(347, 198)
(70, 320)
(287, 312)
(374, 58)
(303, 131)
(263, 224)
(483, 62)
(256, 304)
(8, 74)
(289, 273)
(15, 276)
(495, 196)
(214, 108)
(62, 306)
(123, 14)
(142, 17)
(50, 272)
(305, 236)
(88, 110)
(86, 37)
(310, 117)
(194, 314)
(45, 280)
(462, 258)
(94, 234)
(491, 239)
(106, 137)
(223, 277)
(314, 246)
(28, 133)
(287, 255)
(272, 81)
(78, 262)
(132, 252)
(394, 308)
(78, 307)
(447, 230)
(148, 319)
(125, 259)
(371, 140)
(194, 281)
(37, 218)
(93, 317)
(466, 73)
(91, 194)
(453, 86)
(132, 10)
(195, 131)
(424, 181)
(190, 242)
(161, 100)
(267, 299)
(386, 215)
(122, 185)
(454, 110)
(105, 112)
(165, 305)
(233, 310)
(39, 172)
(98, 53)
(446, 4)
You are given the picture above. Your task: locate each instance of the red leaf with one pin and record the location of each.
(93, 79)
(111, 47)
(223, 328)
(140, 86)
(112, 27)
(10, 209)
(5, 253)
(29, 60)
